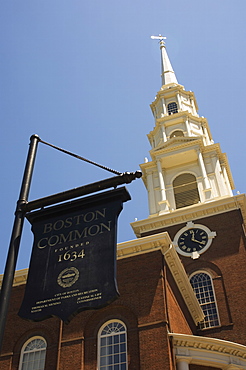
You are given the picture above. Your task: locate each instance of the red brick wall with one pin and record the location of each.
(225, 260)
(179, 318)
(178, 323)
(18, 331)
(141, 306)
(146, 292)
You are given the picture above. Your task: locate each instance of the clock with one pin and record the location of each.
(193, 239)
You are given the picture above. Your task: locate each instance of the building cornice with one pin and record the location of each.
(20, 277)
(208, 351)
(194, 212)
(179, 117)
(168, 91)
(143, 245)
(186, 142)
(176, 143)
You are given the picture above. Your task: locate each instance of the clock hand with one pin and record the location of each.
(194, 240)
(197, 241)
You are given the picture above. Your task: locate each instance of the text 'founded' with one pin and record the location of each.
(73, 262)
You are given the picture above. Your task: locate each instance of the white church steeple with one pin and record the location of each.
(167, 72)
(186, 168)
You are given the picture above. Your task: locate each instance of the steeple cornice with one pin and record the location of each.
(177, 146)
(177, 118)
(196, 211)
(176, 143)
(171, 91)
(182, 114)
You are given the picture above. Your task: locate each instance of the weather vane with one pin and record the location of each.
(159, 37)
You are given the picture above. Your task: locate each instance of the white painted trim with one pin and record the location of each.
(212, 284)
(99, 338)
(33, 351)
(209, 351)
(194, 212)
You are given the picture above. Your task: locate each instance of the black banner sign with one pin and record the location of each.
(73, 262)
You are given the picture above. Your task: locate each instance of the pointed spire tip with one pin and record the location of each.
(167, 75)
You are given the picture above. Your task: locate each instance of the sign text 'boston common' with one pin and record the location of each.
(73, 262)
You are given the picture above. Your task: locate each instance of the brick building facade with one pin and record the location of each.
(181, 281)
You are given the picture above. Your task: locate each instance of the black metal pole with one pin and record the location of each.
(124, 178)
(16, 236)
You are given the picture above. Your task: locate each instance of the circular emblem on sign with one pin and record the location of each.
(68, 277)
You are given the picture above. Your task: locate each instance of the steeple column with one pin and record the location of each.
(219, 176)
(164, 205)
(227, 182)
(207, 142)
(164, 107)
(204, 172)
(187, 127)
(163, 133)
(193, 106)
(151, 193)
(179, 102)
(161, 181)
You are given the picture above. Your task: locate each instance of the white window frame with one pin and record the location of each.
(109, 351)
(208, 323)
(36, 350)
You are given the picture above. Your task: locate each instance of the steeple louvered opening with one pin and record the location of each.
(172, 108)
(185, 190)
(176, 133)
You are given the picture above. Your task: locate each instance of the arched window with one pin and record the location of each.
(176, 133)
(172, 108)
(185, 190)
(112, 346)
(33, 354)
(202, 285)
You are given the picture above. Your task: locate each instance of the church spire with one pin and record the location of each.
(187, 169)
(167, 72)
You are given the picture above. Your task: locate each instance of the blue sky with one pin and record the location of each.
(81, 75)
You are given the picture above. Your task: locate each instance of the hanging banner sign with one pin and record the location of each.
(73, 262)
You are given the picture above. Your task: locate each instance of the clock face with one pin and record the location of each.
(193, 240)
